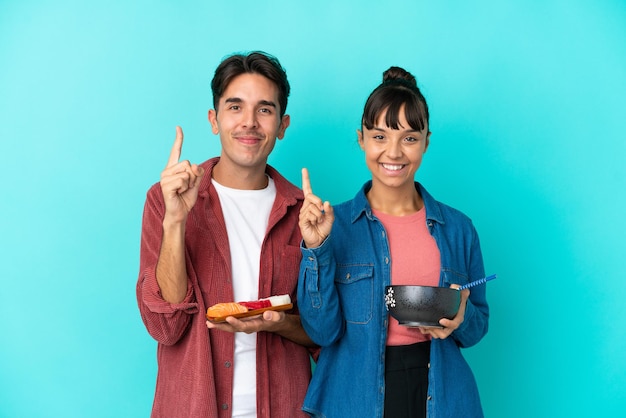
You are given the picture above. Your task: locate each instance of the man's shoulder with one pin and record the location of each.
(283, 186)
(209, 164)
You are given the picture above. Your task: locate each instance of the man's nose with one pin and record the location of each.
(250, 119)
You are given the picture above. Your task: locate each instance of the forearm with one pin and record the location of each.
(171, 271)
(318, 301)
(476, 322)
(292, 330)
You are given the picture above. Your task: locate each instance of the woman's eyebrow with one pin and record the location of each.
(408, 131)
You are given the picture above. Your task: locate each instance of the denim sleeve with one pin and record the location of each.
(476, 321)
(318, 300)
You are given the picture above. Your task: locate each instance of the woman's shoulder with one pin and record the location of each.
(442, 212)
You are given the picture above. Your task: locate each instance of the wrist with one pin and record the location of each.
(174, 223)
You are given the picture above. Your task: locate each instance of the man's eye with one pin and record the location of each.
(234, 107)
(265, 110)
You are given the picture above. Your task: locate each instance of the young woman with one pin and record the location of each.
(392, 232)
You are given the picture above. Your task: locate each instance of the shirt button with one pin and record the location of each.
(224, 406)
(348, 276)
(227, 364)
(429, 365)
(386, 260)
(429, 398)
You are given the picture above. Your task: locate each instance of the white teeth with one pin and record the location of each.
(392, 167)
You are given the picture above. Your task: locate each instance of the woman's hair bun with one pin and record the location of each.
(399, 74)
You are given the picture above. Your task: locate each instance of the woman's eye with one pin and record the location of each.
(379, 137)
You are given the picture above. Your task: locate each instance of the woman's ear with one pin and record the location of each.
(427, 141)
(359, 135)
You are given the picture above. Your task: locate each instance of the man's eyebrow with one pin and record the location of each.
(267, 103)
(261, 102)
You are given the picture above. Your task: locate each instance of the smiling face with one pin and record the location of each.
(393, 155)
(248, 122)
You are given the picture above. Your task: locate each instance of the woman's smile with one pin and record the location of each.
(393, 167)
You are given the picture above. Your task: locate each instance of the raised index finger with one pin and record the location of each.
(306, 182)
(176, 148)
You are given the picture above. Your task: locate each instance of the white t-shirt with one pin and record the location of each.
(246, 214)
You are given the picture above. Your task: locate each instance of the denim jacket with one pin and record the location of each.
(341, 300)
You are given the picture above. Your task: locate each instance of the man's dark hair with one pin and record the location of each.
(256, 62)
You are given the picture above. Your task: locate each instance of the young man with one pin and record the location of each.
(221, 231)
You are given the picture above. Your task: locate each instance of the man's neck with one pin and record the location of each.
(240, 178)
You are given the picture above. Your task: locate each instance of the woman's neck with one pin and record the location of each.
(395, 202)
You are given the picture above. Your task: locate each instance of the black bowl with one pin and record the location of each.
(422, 306)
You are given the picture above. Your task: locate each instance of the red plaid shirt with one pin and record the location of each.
(195, 373)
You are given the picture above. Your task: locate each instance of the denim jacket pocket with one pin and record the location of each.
(355, 286)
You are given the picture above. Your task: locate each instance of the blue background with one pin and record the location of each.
(527, 104)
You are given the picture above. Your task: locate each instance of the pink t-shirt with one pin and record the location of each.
(415, 260)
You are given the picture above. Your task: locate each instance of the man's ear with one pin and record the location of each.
(213, 120)
(284, 124)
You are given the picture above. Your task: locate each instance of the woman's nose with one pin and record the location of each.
(394, 149)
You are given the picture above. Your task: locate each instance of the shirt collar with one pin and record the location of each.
(361, 207)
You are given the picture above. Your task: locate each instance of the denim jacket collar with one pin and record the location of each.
(361, 206)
